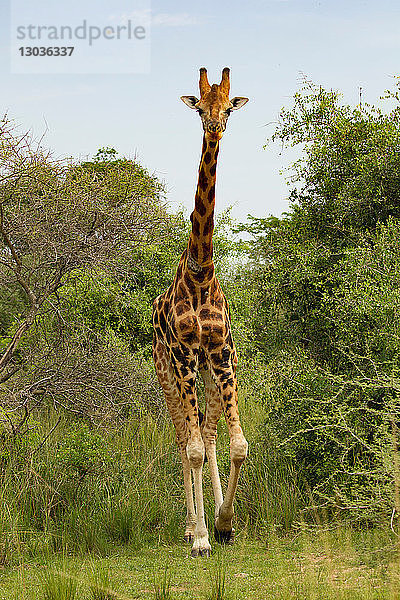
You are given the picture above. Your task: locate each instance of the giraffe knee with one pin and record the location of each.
(238, 450)
(195, 453)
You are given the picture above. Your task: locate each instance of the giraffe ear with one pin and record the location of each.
(190, 101)
(238, 102)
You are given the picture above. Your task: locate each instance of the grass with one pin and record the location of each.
(90, 489)
(100, 586)
(96, 515)
(219, 583)
(58, 584)
(162, 586)
(322, 565)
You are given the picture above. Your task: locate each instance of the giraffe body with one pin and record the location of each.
(192, 334)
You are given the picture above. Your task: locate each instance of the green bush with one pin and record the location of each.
(325, 304)
(83, 451)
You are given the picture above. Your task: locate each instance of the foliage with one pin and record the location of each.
(19, 436)
(162, 587)
(348, 176)
(56, 217)
(325, 287)
(100, 588)
(65, 230)
(328, 564)
(84, 451)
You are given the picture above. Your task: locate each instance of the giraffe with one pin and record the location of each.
(192, 334)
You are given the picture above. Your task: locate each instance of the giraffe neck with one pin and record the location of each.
(200, 242)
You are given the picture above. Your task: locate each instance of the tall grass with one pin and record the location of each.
(100, 584)
(47, 504)
(162, 586)
(59, 585)
(219, 584)
(90, 488)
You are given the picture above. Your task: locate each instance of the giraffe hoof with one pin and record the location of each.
(224, 537)
(196, 552)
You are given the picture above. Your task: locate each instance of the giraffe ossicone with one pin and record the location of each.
(192, 334)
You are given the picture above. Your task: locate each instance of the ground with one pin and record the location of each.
(323, 565)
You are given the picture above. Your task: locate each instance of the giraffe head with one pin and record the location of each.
(214, 106)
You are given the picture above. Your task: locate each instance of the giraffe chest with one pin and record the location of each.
(192, 315)
(205, 325)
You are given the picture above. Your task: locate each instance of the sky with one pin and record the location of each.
(269, 45)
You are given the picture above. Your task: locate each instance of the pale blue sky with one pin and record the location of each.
(267, 44)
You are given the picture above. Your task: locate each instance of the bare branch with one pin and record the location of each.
(47, 436)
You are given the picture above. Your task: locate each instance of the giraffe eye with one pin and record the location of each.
(200, 111)
(228, 111)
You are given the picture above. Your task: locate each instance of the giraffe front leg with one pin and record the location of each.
(225, 380)
(194, 448)
(224, 531)
(195, 455)
(201, 545)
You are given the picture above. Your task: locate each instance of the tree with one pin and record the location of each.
(61, 222)
(326, 289)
